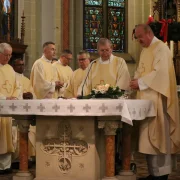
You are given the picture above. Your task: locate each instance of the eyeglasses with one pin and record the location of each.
(82, 59)
(105, 50)
(7, 55)
(68, 58)
(19, 64)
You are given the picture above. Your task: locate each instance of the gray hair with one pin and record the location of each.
(4, 46)
(83, 52)
(104, 41)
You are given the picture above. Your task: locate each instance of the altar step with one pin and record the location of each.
(141, 169)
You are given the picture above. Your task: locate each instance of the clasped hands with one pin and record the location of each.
(11, 98)
(59, 84)
(134, 84)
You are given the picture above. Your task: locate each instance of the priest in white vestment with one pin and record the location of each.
(108, 69)
(63, 71)
(43, 78)
(155, 80)
(77, 76)
(9, 89)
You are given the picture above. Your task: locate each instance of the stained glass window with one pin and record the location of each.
(96, 14)
(93, 17)
(116, 3)
(116, 28)
(7, 15)
(93, 2)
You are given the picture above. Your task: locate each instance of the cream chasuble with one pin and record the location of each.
(25, 84)
(43, 78)
(156, 69)
(74, 83)
(26, 87)
(114, 72)
(63, 74)
(8, 87)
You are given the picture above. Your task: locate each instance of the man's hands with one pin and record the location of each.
(11, 98)
(27, 95)
(134, 84)
(58, 85)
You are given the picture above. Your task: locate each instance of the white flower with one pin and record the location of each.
(106, 86)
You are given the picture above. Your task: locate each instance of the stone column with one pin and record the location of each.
(23, 173)
(110, 132)
(65, 24)
(126, 173)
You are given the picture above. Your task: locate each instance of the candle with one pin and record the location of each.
(150, 19)
(172, 48)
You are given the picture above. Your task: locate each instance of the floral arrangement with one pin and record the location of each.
(105, 91)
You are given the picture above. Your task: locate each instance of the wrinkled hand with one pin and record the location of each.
(11, 98)
(27, 95)
(134, 84)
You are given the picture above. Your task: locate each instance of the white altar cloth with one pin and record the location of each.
(129, 109)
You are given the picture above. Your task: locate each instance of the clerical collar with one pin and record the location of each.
(59, 61)
(18, 74)
(47, 60)
(107, 61)
(154, 40)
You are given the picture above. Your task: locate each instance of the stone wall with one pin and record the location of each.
(44, 23)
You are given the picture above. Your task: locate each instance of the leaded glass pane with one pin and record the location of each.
(93, 2)
(116, 3)
(116, 28)
(92, 27)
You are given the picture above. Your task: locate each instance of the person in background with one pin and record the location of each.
(28, 93)
(155, 80)
(18, 66)
(9, 90)
(63, 71)
(77, 76)
(43, 78)
(107, 69)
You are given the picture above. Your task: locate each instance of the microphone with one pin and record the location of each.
(87, 77)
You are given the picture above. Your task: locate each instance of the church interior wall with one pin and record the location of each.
(41, 26)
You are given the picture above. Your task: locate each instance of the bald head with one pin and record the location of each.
(144, 34)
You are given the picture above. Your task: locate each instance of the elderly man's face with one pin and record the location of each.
(105, 51)
(5, 56)
(83, 61)
(143, 37)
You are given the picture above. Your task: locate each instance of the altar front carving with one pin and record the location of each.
(64, 147)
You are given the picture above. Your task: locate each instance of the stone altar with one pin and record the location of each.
(69, 144)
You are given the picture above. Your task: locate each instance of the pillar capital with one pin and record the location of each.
(109, 127)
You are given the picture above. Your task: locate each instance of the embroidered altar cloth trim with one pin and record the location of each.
(129, 109)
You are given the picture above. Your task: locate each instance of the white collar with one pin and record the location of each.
(18, 74)
(154, 40)
(59, 61)
(45, 59)
(107, 61)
